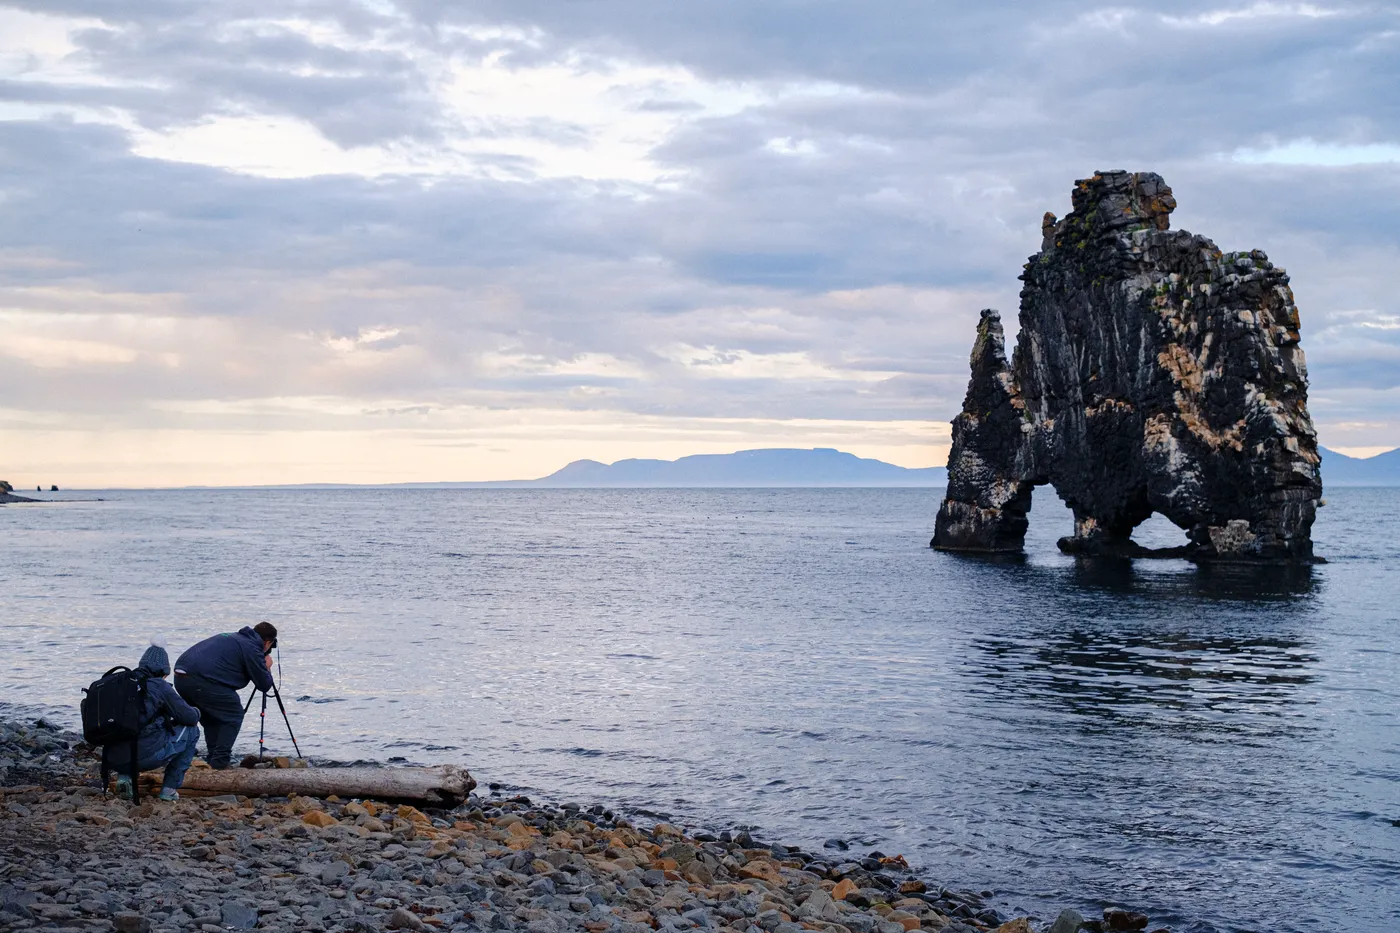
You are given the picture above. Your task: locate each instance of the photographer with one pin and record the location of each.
(210, 674)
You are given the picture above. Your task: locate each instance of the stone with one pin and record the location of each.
(844, 889)
(128, 921)
(238, 916)
(680, 853)
(698, 916)
(319, 818)
(334, 872)
(404, 919)
(1123, 921)
(819, 906)
(1069, 921)
(762, 870)
(913, 886)
(412, 814)
(1019, 925)
(1152, 374)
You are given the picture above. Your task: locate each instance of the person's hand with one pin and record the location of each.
(267, 661)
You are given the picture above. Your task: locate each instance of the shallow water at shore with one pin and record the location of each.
(1218, 748)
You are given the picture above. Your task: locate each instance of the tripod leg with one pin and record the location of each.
(262, 725)
(278, 695)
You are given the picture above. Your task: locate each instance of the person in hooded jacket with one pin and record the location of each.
(168, 729)
(210, 674)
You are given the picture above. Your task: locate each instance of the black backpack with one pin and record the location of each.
(112, 715)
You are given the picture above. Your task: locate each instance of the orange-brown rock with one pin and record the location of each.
(761, 870)
(412, 814)
(1019, 925)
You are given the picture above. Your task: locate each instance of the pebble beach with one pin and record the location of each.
(75, 859)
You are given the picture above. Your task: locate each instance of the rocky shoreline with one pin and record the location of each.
(72, 859)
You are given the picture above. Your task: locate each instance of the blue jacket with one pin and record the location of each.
(229, 659)
(163, 711)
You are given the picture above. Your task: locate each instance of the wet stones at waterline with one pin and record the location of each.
(72, 858)
(1152, 373)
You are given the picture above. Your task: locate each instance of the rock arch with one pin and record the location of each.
(1152, 373)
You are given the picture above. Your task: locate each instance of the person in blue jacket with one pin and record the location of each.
(168, 734)
(210, 674)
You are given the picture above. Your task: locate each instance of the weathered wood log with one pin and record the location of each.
(438, 786)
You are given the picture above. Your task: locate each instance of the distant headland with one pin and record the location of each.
(766, 467)
(7, 494)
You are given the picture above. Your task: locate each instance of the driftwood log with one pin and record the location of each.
(438, 786)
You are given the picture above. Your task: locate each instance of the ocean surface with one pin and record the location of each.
(1219, 749)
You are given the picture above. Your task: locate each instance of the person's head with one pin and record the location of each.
(155, 661)
(268, 633)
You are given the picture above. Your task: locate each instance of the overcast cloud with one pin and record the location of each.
(261, 242)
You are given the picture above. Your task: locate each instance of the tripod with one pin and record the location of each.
(262, 721)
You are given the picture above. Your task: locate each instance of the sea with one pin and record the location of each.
(1218, 748)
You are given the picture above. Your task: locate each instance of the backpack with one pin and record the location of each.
(112, 712)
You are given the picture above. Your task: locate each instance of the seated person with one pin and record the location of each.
(168, 730)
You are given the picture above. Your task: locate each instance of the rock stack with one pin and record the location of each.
(1152, 373)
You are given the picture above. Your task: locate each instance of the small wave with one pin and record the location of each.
(580, 751)
(640, 657)
(310, 699)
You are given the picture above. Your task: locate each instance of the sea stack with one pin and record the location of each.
(1152, 373)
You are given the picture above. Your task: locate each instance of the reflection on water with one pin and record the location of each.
(1217, 746)
(1106, 665)
(1110, 675)
(1209, 581)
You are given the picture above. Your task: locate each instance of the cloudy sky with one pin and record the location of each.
(265, 241)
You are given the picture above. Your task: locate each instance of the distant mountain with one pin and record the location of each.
(774, 466)
(1341, 470)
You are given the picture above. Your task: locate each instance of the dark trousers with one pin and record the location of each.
(220, 712)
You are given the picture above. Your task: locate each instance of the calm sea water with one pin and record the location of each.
(1220, 749)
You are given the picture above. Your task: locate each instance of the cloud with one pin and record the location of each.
(1310, 152)
(762, 214)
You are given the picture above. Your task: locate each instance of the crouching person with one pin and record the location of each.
(168, 729)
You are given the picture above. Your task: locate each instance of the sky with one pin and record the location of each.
(251, 242)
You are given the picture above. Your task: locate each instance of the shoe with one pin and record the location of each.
(167, 793)
(123, 787)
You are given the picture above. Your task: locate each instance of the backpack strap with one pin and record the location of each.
(135, 773)
(143, 680)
